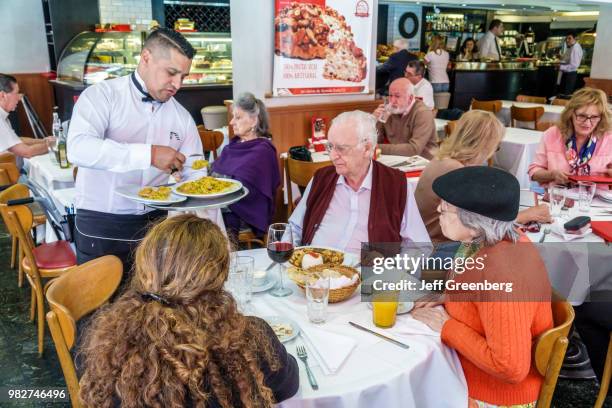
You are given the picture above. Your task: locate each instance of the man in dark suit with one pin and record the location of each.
(394, 67)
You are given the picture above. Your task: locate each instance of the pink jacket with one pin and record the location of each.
(550, 154)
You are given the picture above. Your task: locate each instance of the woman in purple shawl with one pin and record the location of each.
(251, 158)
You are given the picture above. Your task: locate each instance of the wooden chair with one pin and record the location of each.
(449, 128)
(526, 115)
(44, 261)
(560, 102)
(543, 126)
(605, 379)
(211, 140)
(248, 238)
(8, 157)
(490, 106)
(550, 348)
(15, 192)
(299, 172)
(95, 282)
(11, 171)
(531, 99)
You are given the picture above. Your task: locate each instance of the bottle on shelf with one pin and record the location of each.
(62, 150)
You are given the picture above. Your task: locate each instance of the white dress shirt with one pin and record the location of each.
(8, 137)
(488, 47)
(424, 91)
(345, 224)
(571, 58)
(110, 137)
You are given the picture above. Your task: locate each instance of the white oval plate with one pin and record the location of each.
(237, 186)
(284, 320)
(266, 286)
(130, 191)
(402, 307)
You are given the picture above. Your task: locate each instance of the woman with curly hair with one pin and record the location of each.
(175, 337)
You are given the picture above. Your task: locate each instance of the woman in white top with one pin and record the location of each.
(437, 61)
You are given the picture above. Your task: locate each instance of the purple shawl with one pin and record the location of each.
(254, 163)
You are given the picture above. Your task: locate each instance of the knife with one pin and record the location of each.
(382, 336)
(270, 267)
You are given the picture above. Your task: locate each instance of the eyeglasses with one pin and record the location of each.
(340, 149)
(581, 118)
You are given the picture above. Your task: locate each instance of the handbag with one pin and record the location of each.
(300, 153)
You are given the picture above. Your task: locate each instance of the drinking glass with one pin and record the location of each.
(317, 298)
(280, 249)
(245, 265)
(384, 308)
(557, 194)
(586, 191)
(387, 110)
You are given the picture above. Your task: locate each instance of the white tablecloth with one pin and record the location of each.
(48, 174)
(516, 153)
(376, 373)
(552, 113)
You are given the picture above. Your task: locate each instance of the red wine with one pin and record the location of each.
(280, 252)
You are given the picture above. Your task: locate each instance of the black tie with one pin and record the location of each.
(147, 97)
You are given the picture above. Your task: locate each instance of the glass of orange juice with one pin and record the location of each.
(384, 308)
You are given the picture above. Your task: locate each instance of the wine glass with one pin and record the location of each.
(280, 249)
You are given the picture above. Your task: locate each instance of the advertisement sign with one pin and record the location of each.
(322, 46)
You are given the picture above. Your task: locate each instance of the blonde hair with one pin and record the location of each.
(581, 98)
(476, 136)
(190, 346)
(437, 43)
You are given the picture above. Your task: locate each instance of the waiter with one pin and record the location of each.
(488, 46)
(569, 64)
(129, 130)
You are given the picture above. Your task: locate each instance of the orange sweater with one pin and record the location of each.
(493, 337)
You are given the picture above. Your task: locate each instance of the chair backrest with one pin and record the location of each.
(13, 193)
(450, 126)
(12, 172)
(543, 126)
(8, 157)
(532, 99)
(491, 106)
(549, 350)
(211, 139)
(526, 115)
(20, 220)
(95, 282)
(300, 172)
(560, 101)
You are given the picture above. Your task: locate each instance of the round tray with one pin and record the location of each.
(192, 203)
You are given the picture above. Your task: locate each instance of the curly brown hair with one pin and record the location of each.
(195, 349)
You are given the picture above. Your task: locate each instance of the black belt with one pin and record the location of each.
(116, 227)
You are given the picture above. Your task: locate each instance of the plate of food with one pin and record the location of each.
(207, 187)
(160, 195)
(308, 256)
(284, 328)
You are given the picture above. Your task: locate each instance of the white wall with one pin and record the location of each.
(23, 48)
(601, 67)
(253, 54)
(136, 12)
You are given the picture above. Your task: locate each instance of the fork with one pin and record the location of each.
(303, 355)
(546, 232)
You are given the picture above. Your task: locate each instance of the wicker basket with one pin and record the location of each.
(335, 295)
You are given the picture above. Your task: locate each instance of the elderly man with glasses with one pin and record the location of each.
(357, 200)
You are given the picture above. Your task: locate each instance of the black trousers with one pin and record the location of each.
(98, 234)
(594, 323)
(568, 83)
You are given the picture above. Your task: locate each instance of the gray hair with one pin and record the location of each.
(401, 43)
(363, 123)
(489, 230)
(7, 83)
(255, 107)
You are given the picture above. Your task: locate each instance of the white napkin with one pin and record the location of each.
(405, 327)
(557, 228)
(328, 348)
(337, 283)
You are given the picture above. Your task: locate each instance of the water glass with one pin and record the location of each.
(317, 299)
(586, 191)
(557, 196)
(240, 279)
(386, 112)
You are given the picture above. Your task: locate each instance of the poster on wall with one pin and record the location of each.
(322, 46)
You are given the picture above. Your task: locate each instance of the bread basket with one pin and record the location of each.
(335, 295)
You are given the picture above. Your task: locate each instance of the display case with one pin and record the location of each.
(92, 57)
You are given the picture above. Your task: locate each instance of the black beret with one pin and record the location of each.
(483, 190)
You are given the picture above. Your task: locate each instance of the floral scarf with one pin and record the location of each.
(579, 161)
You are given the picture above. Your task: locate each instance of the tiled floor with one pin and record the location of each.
(21, 366)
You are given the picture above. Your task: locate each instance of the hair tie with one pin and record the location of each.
(150, 297)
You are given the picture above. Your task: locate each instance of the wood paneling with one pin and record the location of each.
(40, 94)
(603, 84)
